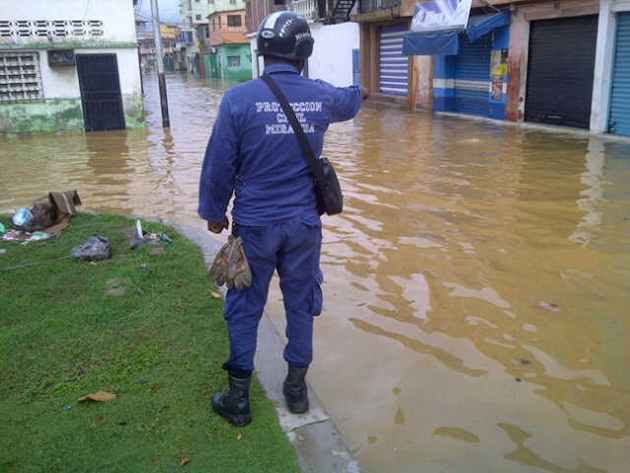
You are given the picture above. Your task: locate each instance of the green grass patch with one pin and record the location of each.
(158, 344)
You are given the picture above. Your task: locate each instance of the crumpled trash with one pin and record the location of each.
(37, 236)
(22, 217)
(43, 216)
(147, 238)
(3, 230)
(51, 213)
(230, 267)
(96, 248)
(12, 235)
(100, 396)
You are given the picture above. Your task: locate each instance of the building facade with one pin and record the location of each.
(335, 57)
(384, 70)
(230, 56)
(69, 65)
(194, 14)
(146, 45)
(553, 62)
(610, 111)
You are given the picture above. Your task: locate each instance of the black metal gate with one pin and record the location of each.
(100, 92)
(560, 71)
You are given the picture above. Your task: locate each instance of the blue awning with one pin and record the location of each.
(429, 43)
(481, 25)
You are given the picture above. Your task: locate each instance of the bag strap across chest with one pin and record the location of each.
(295, 124)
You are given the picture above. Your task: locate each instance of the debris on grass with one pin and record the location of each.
(140, 237)
(22, 217)
(12, 235)
(184, 460)
(96, 248)
(100, 396)
(37, 236)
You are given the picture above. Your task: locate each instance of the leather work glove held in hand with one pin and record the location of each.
(230, 267)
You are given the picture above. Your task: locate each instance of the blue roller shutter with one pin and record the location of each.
(619, 119)
(472, 75)
(393, 66)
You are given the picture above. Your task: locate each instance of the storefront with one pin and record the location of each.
(481, 67)
(619, 115)
(384, 69)
(393, 66)
(560, 72)
(469, 65)
(552, 63)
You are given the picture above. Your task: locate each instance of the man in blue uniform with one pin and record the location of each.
(254, 153)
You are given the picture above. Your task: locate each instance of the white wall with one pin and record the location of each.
(253, 46)
(603, 66)
(332, 54)
(63, 82)
(117, 17)
(118, 26)
(58, 82)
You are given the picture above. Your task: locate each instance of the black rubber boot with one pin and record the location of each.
(295, 390)
(234, 405)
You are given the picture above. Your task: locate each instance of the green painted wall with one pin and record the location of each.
(41, 115)
(134, 116)
(59, 115)
(244, 71)
(212, 69)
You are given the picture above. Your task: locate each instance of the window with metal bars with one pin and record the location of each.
(234, 20)
(234, 61)
(20, 78)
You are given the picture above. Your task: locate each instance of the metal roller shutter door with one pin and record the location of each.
(619, 119)
(394, 67)
(560, 71)
(472, 76)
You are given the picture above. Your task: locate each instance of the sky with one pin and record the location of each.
(169, 10)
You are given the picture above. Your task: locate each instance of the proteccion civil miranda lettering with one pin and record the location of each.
(282, 129)
(274, 107)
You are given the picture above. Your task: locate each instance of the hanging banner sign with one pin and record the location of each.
(439, 15)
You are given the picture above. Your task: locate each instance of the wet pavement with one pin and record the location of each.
(477, 285)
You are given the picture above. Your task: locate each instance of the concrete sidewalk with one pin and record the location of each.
(316, 440)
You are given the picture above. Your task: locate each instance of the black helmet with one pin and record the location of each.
(286, 35)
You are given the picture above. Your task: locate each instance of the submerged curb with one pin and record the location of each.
(316, 439)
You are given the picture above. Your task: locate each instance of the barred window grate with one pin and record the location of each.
(51, 28)
(20, 78)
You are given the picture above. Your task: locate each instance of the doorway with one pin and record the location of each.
(100, 92)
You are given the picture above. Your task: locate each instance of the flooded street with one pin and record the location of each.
(477, 293)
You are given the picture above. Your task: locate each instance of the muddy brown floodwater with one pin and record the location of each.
(477, 310)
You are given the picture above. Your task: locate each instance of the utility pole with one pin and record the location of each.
(157, 38)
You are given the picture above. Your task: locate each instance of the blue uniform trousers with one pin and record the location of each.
(293, 248)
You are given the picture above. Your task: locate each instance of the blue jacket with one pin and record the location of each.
(254, 153)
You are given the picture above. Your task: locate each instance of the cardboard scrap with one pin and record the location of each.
(100, 396)
(184, 461)
(52, 212)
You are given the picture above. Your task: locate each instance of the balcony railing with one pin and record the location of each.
(367, 6)
(309, 9)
